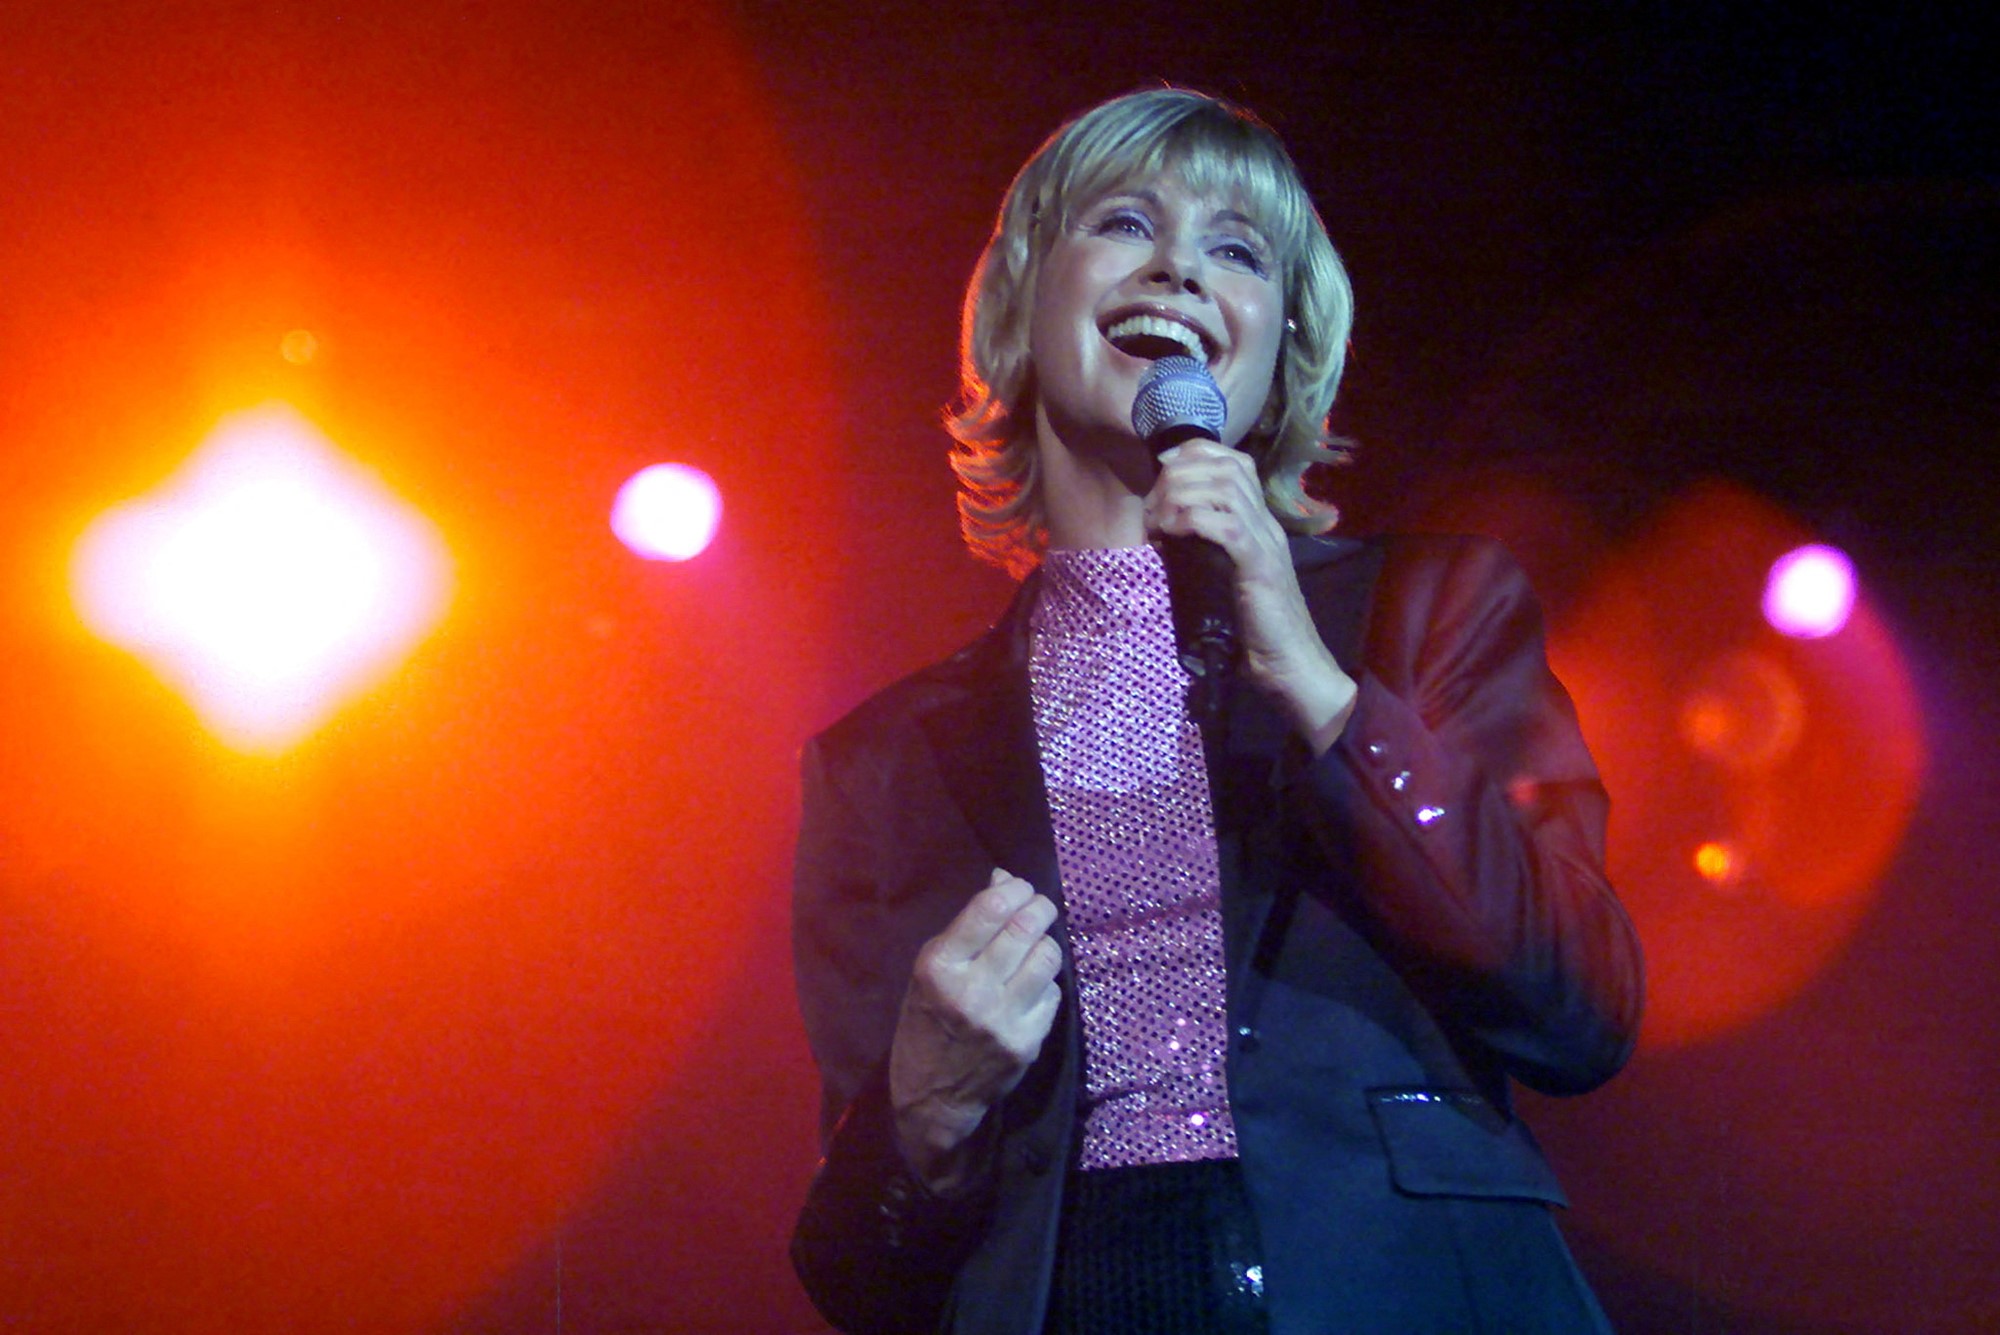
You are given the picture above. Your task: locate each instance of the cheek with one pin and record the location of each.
(1045, 317)
(1065, 288)
(1252, 378)
(1063, 341)
(1264, 325)
(1045, 333)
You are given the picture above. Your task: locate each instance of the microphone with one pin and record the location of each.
(1179, 400)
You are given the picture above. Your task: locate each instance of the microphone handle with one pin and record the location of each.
(1202, 581)
(1201, 584)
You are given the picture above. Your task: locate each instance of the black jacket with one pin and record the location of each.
(1409, 920)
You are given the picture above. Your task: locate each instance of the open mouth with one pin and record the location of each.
(1155, 336)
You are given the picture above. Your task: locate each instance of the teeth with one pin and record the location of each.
(1155, 326)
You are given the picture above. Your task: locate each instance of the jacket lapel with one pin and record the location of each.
(981, 731)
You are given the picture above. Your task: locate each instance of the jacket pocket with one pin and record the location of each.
(1452, 1142)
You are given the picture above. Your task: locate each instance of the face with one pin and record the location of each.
(1148, 271)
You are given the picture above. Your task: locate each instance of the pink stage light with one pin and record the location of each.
(1810, 592)
(269, 581)
(667, 512)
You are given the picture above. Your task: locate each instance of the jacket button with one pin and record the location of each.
(1247, 1039)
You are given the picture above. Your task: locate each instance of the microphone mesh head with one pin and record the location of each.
(1178, 398)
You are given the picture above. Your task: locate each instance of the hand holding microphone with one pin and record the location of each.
(1225, 553)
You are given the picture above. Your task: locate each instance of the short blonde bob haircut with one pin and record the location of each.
(1214, 147)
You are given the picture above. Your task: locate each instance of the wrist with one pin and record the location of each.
(1320, 700)
(938, 1143)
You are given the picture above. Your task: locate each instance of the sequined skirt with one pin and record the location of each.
(1163, 1249)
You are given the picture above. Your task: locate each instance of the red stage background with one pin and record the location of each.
(472, 1012)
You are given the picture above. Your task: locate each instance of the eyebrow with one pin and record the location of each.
(1232, 215)
(1220, 216)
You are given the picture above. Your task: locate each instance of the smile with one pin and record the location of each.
(1155, 334)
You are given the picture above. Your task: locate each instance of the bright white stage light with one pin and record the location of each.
(1810, 592)
(269, 580)
(668, 512)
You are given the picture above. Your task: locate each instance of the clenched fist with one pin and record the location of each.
(981, 1000)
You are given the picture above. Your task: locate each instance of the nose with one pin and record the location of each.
(1177, 263)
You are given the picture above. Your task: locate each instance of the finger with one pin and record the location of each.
(1223, 508)
(1206, 458)
(1218, 483)
(1038, 972)
(982, 918)
(1189, 520)
(1225, 492)
(1192, 487)
(1040, 1016)
(1224, 528)
(1196, 447)
(1169, 507)
(1018, 938)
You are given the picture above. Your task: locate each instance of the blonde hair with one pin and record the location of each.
(1215, 147)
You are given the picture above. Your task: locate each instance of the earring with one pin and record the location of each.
(1291, 325)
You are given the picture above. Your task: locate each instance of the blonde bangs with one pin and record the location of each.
(1238, 160)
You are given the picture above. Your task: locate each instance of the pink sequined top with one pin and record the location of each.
(1135, 844)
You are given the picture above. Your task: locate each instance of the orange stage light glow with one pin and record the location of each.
(1718, 863)
(349, 1038)
(299, 347)
(269, 581)
(1761, 782)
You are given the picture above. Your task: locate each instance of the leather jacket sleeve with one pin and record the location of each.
(1462, 794)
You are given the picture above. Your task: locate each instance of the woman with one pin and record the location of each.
(1125, 1024)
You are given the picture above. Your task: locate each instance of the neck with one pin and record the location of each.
(1094, 497)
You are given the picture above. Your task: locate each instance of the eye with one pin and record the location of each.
(1243, 255)
(1124, 222)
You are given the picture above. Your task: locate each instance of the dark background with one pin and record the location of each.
(1649, 290)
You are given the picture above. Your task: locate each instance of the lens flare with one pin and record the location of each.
(299, 347)
(668, 512)
(1718, 863)
(1810, 592)
(1762, 782)
(269, 581)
